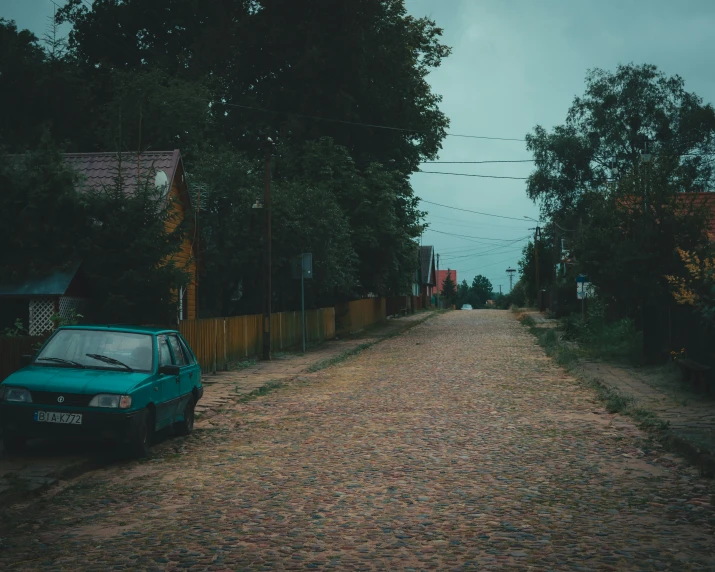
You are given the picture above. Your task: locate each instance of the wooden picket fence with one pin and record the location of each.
(217, 342)
(359, 314)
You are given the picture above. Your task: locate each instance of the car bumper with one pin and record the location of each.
(20, 420)
(200, 393)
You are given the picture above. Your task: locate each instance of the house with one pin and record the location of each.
(59, 293)
(428, 275)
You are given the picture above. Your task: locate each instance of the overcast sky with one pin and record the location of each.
(516, 64)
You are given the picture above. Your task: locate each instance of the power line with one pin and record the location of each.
(470, 175)
(482, 253)
(476, 162)
(470, 236)
(470, 211)
(356, 123)
(488, 265)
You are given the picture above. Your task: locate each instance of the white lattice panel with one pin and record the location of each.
(41, 310)
(67, 304)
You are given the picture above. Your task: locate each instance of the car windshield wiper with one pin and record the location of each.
(61, 360)
(107, 359)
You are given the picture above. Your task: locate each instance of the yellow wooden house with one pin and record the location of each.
(99, 170)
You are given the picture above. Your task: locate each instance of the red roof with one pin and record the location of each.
(99, 170)
(691, 202)
(441, 275)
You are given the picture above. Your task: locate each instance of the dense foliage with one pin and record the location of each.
(215, 79)
(617, 181)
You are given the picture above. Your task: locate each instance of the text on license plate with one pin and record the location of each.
(54, 417)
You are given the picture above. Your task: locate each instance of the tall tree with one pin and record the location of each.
(615, 177)
(364, 61)
(449, 289)
(482, 289)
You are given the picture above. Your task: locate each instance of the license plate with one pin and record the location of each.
(54, 417)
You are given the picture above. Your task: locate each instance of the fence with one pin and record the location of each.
(11, 352)
(220, 341)
(356, 315)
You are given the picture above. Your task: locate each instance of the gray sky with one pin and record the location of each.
(516, 64)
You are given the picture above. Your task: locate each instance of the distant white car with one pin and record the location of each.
(467, 307)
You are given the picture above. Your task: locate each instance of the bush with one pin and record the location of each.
(599, 337)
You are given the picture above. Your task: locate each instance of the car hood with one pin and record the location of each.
(75, 380)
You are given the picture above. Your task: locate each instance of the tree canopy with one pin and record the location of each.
(215, 79)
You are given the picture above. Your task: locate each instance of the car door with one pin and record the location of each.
(170, 386)
(186, 375)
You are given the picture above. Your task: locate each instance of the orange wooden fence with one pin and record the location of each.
(219, 341)
(359, 314)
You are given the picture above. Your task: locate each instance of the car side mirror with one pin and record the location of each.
(169, 370)
(25, 360)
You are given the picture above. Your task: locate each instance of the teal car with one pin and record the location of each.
(117, 383)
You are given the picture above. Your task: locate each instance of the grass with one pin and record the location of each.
(243, 364)
(261, 391)
(567, 354)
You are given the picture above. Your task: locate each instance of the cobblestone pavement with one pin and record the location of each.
(457, 445)
(47, 462)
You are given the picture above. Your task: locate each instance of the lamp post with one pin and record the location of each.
(510, 271)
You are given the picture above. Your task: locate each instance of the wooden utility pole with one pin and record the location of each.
(267, 255)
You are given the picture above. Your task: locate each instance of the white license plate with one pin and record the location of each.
(54, 417)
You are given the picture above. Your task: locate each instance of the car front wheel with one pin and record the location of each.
(141, 440)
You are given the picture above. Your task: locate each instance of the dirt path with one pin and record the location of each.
(458, 445)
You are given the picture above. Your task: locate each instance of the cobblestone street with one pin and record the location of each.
(456, 445)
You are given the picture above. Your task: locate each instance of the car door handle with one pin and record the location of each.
(191, 375)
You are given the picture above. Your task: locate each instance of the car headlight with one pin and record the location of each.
(16, 394)
(111, 401)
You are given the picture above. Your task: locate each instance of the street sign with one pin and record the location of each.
(581, 278)
(584, 290)
(304, 261)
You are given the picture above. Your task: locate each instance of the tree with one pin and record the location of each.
(43, 220)
(42, 95)
(449, 289)
(623, 212)
(527, 266)
(364, 61)
(607, 129)
(128, 260)
(463, 294)
(481, 290)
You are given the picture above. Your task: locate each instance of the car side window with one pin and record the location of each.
(164, 352)
(179, 355)
(187, 352)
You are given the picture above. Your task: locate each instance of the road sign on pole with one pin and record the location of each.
(303, 269)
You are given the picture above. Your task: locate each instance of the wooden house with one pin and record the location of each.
(37, 300)
(428, 275)
(166, 169)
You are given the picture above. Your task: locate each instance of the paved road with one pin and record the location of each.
(457, 445)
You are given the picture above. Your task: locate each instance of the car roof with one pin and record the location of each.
(121, 328)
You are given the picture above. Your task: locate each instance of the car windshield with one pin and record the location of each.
(99, 349)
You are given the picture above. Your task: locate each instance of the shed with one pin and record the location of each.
(36, 300)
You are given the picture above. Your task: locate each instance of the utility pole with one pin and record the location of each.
(537, 235)
(267, 255)
(438, 286)
(499, 289)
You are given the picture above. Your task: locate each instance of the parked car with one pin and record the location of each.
(117, 383)
(467, 307)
